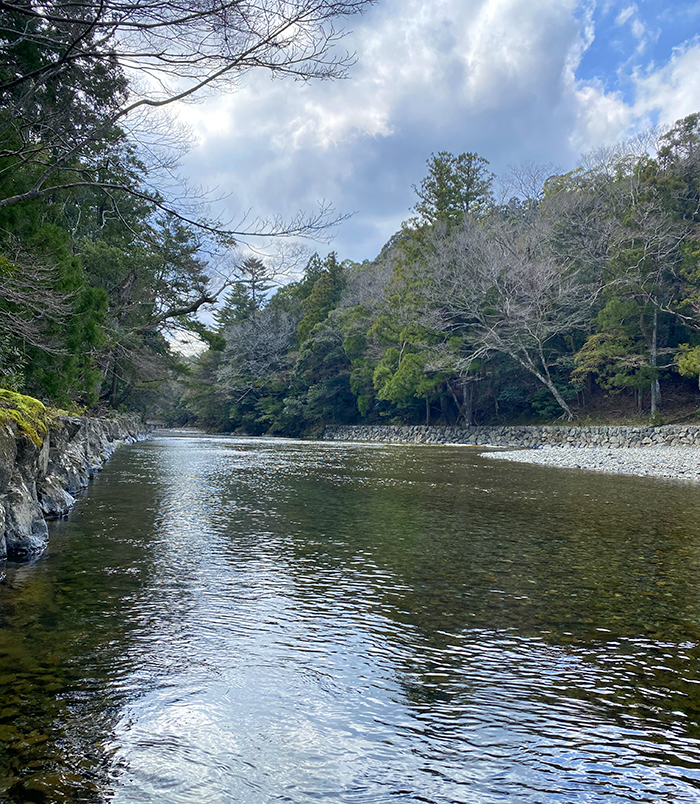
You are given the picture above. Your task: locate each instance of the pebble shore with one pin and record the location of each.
(680, 463)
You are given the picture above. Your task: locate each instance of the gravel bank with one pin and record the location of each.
(681, 463)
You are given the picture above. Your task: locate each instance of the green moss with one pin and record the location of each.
(29, 414)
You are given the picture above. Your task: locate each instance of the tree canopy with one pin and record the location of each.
(580, 294)
(101, 270)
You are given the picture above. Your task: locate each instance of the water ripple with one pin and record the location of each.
(236, 620)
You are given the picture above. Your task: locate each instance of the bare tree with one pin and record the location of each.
(31, 310)
(256, 349)
(29, 302)
(525, 181)
(499, 287)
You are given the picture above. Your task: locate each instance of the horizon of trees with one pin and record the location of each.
(569, 290)
(583, 287)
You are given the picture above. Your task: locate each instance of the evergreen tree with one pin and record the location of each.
(454, 187)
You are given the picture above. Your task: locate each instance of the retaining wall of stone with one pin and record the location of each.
(525, 436)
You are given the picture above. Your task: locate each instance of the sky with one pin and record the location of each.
(515, 81)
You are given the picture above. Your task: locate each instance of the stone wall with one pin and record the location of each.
(39, 481)
(525, 436)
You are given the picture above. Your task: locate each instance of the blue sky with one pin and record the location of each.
(513, 80)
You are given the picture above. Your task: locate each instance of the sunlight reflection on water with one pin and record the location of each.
(264, 620)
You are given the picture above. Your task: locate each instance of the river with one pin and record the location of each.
(253, 620)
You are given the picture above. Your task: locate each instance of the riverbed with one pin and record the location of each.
(676, 463)
(253, 620)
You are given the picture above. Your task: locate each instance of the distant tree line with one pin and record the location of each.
(579, 293)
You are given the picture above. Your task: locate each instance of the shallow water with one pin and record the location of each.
(250, 620)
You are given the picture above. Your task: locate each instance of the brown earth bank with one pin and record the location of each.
(43, 467)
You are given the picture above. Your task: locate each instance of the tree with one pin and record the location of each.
(28, 298)
(253, 372)
(688, 361)
(66, 98)
(248, 294)
(319, 387)
(615, 355)
(617, 220)
(455, 186)
(403, 377)
(498, 287)
(325, 279)
(156, 282)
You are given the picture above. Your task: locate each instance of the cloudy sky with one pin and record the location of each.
(513, 80)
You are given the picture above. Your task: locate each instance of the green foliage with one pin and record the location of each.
(399, 378)
(616, 356)
(320, 382)
(29, 414)
(376, 341)
(324, 282)
(688, 361)
(455, 186)
(544, 405)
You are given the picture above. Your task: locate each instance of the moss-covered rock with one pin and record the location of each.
(46, 456)
(30, 415)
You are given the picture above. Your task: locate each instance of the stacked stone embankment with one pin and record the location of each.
(40, 476)
(524, 436)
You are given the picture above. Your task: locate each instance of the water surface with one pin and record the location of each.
(248, 620)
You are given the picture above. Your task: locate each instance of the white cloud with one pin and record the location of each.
(673, 90)
(639, 29)
(625, 15)
(602, 118)
(494, 76)
(448, 53)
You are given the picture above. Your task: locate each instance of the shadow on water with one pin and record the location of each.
(255, 620)
(67, 621)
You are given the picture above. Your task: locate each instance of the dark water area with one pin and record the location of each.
(248, 620)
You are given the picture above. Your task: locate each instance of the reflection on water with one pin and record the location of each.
(249, 620)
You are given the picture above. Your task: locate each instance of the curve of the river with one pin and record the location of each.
(249, 620)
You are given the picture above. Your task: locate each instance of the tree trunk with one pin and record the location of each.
(427, 411)
(546, 380)
(113, 386)
(465, 406)
(126, 393)
(443, 411)
(560, 399)
(468, 403)
(654, 355)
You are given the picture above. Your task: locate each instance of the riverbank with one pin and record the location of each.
(670, 451)
(519, 436)
(680, 462)
(46, 458)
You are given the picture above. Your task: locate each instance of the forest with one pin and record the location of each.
(533, 296)
(577, 297)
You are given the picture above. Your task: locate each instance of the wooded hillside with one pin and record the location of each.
(565, 295)
(578, 295)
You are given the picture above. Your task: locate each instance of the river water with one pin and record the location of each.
(249, 620)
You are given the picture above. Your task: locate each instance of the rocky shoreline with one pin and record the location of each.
(679, 462)
(40, 476)
(669, 451)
